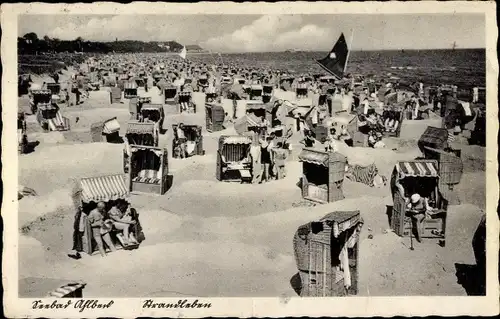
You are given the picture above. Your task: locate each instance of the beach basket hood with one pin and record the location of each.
(340, 221)
(110, 126)
(135, 127)
(100, 188)
(312, 157)
(236, 139)
(150, 106)
(434, 137)
(417, 169)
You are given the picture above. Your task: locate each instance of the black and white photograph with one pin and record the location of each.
(176, 158)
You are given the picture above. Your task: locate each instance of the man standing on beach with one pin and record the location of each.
(77, 235)
(266, 156)
(100, 229)
(236, 92)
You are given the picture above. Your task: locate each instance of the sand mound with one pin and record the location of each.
(384, 158)
(221, 255)
(185, 118)
(47, 137)
(99, 98)
(51, 168)
(233, 189)
(159, 223)
(89, 116)
(413, 129)
(32, 207)
(154, 93)
(228, 131)
(177, 164)
(176, 272)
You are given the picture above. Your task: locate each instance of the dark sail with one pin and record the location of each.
(334, 63)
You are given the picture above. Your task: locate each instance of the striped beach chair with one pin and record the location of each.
(301, 90)
(148, 176)
(69, 290)
(185, 102)
(58, 123)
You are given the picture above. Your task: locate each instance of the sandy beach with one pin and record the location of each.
(203, 232)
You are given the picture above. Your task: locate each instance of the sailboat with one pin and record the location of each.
(336, 61)
(454, 46)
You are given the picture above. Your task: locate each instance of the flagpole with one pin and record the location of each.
(212, 55)
(349, 50)
(221, 59)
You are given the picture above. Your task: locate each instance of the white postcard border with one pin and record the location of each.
(246, 307)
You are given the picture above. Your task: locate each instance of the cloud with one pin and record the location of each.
(270, 33)
(307, 37)
(124, 27)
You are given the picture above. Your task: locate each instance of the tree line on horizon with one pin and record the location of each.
(30, 43)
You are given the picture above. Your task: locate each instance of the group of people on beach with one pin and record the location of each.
(231, 81)
(102, 222)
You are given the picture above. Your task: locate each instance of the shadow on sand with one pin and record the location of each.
(296, 283)
(30, 147)
(472, 278)
(389, 211)
(170, 181)
(299, 183)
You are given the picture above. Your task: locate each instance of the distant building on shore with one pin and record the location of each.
(195, 49)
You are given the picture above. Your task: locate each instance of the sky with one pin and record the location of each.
(266, 33)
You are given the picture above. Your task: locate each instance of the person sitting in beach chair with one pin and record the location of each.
(122, 220)
(375, 139)
(363, 126)
(391, 122)
(366, 106)
(376, 130)
(330, 143)
(308, 140)
(180, 140)
(375, 122)
(419, 210)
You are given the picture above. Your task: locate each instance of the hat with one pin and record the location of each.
(415, 198)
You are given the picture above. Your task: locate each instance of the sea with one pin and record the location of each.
(465, 68)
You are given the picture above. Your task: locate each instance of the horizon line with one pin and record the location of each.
(206, 51)
(311, 51)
